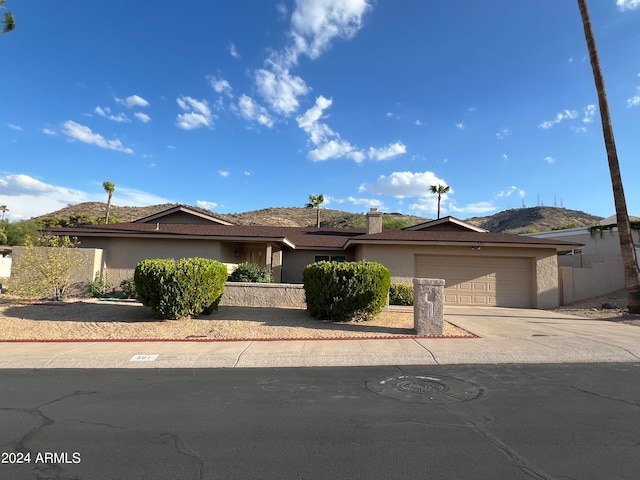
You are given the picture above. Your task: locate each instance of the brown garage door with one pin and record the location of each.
(490, 281)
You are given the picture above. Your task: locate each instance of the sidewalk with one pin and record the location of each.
(506, 335)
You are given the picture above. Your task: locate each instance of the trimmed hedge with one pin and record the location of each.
(340, 291)
(400, 294)
(251, 272)
(177, 289)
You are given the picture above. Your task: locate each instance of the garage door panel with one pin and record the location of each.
(487, 281)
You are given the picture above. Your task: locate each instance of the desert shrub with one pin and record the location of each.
(177, 289)
(341, 291)
(400, 294)
(45, 272)
(128, 287)
(251, 272)
(99, 286)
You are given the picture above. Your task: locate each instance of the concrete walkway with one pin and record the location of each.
(505, 335)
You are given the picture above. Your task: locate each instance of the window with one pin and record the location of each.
(333, 258)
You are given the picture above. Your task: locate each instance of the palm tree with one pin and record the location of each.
(627, 250)
(439, 190)
(3, 209)
(109, 188)
(8, 20)
(314, 202)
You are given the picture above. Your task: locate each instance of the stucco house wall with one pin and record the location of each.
(296, 260)
(121, 255)
(596, 269)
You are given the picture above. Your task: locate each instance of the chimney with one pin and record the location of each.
(374, 221)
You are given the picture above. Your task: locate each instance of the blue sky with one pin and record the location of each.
(243, 105)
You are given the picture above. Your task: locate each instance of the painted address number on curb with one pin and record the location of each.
(143, 358)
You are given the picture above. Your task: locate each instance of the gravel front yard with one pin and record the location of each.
(89, 319)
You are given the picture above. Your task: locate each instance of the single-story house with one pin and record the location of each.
(596, 268)
(479, 267)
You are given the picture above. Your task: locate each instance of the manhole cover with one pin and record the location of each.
(424, 389)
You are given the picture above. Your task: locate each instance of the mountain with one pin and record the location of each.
(518, 220)
(534, 219)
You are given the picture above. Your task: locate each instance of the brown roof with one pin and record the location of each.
(459, 237)
(308, 237)
(294, 237)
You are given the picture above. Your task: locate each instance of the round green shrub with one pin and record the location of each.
(178, 289)
(400, 294)
(251, 272)
(340, 291)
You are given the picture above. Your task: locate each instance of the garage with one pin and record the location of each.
(486, 281)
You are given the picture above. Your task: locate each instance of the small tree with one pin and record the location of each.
(109, 188)
(45, 272)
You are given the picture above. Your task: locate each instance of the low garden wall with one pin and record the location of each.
(280, 295)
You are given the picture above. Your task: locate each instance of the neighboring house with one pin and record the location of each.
(479, 267)
(596, 268)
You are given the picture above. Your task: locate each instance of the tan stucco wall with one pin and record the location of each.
(121, 255)
(596, 271)
(399, 259)
(295, 261)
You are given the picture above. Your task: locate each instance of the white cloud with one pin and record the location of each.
(133, 101)
(578, 129)
(309, 121)
(233, 51)
(504, 133)
(220, 85)
(628, 4)
(131, 197)
(198, 113)
(405, 184)
(28, 197)
(460, 126)
(565, 115)
(390, 151)
(589, 112)
(17, 128)
(224, 173)
(250, 110)
(315, 23)
(635, 100)
(49, 131)
(418, 122)
(280, 89)
(336, 149)
(549, 160)
(106, 113)
(84, 134)
(510, 191)
(478, 207)
(143, 117)
(367, 202)
(247, 173)
(206, 204)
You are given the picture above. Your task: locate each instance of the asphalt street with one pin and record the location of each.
(494, 422)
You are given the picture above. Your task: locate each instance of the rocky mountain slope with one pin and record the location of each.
(519, 220)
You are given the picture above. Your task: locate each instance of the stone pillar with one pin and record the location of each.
(428, 306)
